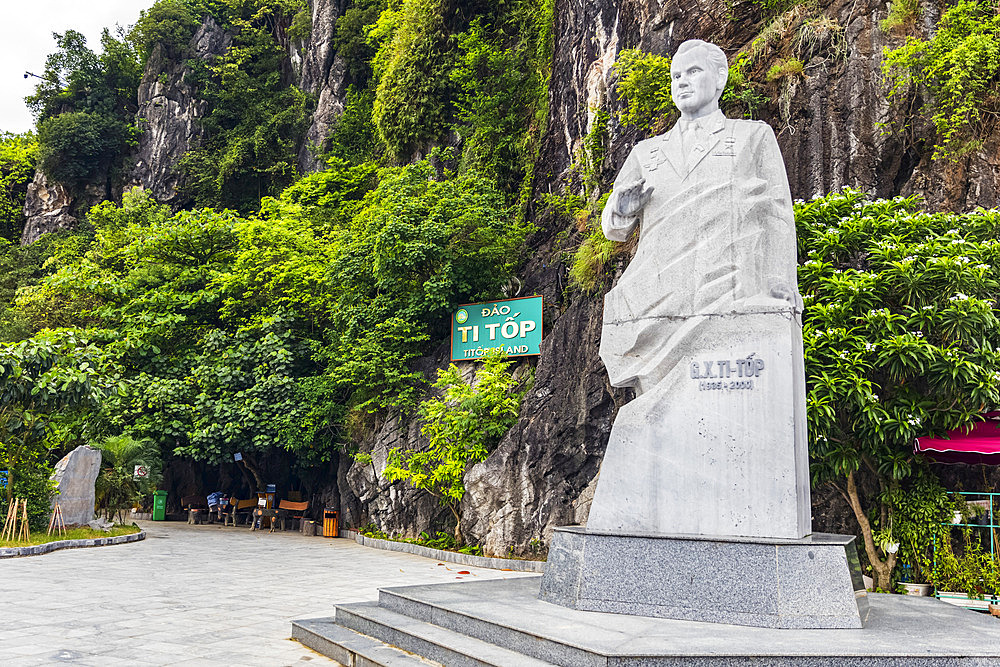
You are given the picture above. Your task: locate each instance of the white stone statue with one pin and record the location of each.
(705, 325)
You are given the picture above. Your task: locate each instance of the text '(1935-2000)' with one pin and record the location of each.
(727, 374)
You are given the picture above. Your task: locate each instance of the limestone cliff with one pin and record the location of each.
(169, 112)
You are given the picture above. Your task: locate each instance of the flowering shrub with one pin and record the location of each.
(901, 340)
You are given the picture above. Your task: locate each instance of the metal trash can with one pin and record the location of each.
(330, 523)
(159, 505)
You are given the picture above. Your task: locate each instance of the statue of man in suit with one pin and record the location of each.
(705, 325)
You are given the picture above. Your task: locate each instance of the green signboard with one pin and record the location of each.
(513, 325)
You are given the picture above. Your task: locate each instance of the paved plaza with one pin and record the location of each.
(194, 595)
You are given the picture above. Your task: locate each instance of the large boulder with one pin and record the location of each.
(75, 475)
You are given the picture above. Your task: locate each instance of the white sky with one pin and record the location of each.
(26, 29)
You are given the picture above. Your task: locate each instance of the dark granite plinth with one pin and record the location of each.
(814, 582)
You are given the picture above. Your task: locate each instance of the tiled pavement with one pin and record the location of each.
(193, 595)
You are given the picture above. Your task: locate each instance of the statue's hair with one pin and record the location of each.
(716, 56)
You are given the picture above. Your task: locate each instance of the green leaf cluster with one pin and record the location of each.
(462, 427)
(959, 67)
(17, 168)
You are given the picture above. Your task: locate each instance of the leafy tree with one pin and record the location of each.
(17, 168)
(462, 427)
(42, 380)
(901, 340)
(85, 106)
(75, 146)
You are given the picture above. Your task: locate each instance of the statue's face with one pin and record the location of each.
(693, 82)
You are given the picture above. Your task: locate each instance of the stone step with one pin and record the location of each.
(451, 648)
(350, 648)
(420, 602)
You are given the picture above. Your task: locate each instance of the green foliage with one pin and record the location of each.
(975, 572)
(116, 488)
(352, 138)
(23, 266)
(75, 147)
(352, 41)
(959, 66)
(784, 69)
(592, 258)
(414, 85)
(85, 106)
(644, 87)
(255, 120)
(301, 26)
(233, 334)
(170, 23)
(462, 427)
(901, 338)
(918, 512)
(903, 15)
(502, 74)
(30, 481)
(43, 380)
(17, 168)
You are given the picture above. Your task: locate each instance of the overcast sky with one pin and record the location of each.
(26, 39)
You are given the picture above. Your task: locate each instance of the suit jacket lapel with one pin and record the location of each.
(670, 149)
(714, 137)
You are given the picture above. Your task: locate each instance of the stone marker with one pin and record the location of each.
(75, 475)
(704, 490)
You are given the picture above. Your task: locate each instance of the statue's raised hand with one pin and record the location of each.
(633, 197)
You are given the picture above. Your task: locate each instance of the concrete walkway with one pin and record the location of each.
(193, 595)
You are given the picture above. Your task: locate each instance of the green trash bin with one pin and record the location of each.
(159, 505)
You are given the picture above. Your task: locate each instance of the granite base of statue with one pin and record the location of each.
(702, 506)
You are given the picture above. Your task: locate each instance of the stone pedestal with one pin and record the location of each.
(813, 582)
(717, 446)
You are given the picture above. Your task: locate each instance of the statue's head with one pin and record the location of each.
(698, 75)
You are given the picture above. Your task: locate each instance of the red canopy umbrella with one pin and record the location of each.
(978, 444)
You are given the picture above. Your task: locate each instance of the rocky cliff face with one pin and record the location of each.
(323, 76)
(48, 208)
(169, 113)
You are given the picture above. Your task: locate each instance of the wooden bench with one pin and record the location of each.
(288, 509)
(240, 508)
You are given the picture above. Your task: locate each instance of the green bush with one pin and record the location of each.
(462, 427)
(77, 147)
(412, 102)
(959, 66)
(17, 168)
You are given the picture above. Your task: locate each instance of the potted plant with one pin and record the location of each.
(970, 580)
